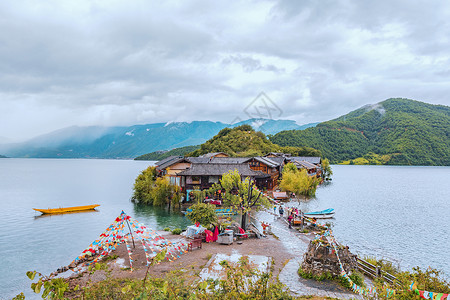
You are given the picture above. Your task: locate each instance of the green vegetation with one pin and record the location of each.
(152, 190)
(326, 169)
(240, 282)
(428, 280)
(160, 155)
(244, 141)
(51, 288)
(177, 231)
(203, 213)
(298, 181)
(393, 132)
(240, 194)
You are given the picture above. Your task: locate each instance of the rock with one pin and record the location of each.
(321, 258)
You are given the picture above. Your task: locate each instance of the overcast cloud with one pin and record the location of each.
(65, 63)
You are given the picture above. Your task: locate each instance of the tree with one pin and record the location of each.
(203, 213)
(152, 190)
(241, 194)
(143, 186)
(326, 169)
(165, 193)
(298, 181)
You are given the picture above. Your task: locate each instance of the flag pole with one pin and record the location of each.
(132, 238)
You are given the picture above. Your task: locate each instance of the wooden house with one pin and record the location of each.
(203, 176)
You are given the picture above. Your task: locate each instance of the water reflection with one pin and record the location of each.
(159, 218)
(58, 215)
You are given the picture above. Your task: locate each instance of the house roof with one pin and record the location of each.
(220, 169)
(163, 161)
(279, 159)
(217, 160)
(277, 154)
(305, 164)
(311, 159)
(170, 162)
(265, 160)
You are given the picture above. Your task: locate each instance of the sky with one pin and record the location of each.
(121, 63)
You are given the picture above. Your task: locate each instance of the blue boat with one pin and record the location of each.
(323, 214)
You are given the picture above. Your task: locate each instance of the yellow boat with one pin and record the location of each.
(62, 210)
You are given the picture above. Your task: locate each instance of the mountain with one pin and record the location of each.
(244, 141)
(161, 154)
(128, 142)
(396, 131)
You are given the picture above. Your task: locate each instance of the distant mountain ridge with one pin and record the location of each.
(395, 131)
(129, 142)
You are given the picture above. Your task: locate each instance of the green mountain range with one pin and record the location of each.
(241, 141)
(129, 142)
(395, 131)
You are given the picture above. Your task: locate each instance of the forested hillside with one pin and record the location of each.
(395, 131)
(244, 141)
(160, 155)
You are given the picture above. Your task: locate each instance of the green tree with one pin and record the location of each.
(298, 181)
(326, 169)
(152, 190)
(143, 186)
(164, 193)
(203, 213)
(241, 194)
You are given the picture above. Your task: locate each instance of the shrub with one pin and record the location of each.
(177, 231)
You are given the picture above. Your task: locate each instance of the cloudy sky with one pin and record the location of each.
(65, 63)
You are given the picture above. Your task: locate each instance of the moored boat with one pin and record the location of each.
(62, 210)
(323, 214)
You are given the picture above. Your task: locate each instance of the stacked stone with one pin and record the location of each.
(321, 258)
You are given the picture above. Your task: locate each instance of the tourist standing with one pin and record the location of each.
(290, 218)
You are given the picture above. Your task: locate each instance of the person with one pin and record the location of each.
(274, 209)
(281, 211)
(314, 221)
(290, 218)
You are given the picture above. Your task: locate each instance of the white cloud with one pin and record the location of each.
(135, 62)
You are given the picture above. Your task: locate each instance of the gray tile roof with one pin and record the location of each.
(310, 159)
(163, 161)
(265, 160)
(220, 169)
(305, 164)
(170, 162)
(217, 160)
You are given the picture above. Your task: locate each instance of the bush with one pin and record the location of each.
(177, 231)
(167, 229)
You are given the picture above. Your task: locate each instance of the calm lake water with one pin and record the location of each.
(398, 213)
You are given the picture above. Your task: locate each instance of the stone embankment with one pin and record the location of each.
(297, 244)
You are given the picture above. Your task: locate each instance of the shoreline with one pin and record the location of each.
(284, 248)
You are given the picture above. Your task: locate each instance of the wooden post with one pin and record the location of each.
(132, 238)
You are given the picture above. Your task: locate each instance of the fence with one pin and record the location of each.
(376, 272)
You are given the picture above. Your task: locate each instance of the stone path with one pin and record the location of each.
(297, 244)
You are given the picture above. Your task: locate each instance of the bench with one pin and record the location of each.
(195, 244)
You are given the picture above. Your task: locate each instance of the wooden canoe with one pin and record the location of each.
(62, 210)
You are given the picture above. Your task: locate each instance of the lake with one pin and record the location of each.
(398, 213)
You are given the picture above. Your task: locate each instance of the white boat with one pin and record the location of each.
(323, 214)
